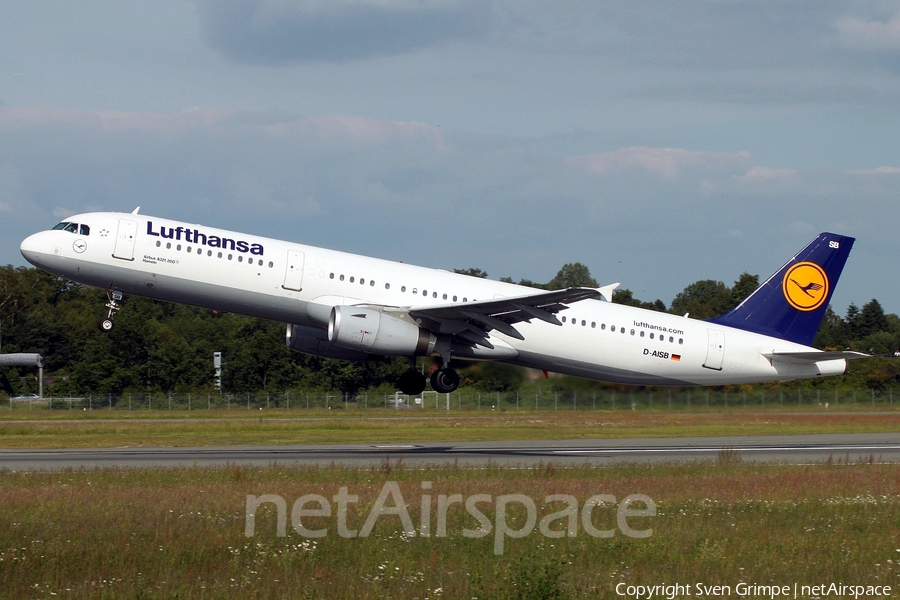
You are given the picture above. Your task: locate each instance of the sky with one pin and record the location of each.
(659, 142)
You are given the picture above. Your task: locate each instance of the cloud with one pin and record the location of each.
(766, 174)
(877, 171)
(274, 32)
(864, 34)
(404, 190)
(663, 162)
(13, 117)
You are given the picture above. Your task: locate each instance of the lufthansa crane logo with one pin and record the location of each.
(805, 286)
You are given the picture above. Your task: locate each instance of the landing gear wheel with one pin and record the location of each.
(411, 383)
(444, 381)
(113, 299)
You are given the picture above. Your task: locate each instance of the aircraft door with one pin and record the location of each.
(715, 353)
(293, 276)
(125, 239)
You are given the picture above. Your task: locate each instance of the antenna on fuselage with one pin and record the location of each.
(135, 211)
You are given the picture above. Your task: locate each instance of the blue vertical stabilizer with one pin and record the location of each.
(791, 304)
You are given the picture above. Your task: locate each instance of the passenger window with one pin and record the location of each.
(362, 281)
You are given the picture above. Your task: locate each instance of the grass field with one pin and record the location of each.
(166, 533)
(182, 532)
(101, 428)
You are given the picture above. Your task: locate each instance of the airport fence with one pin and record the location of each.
(676, 399)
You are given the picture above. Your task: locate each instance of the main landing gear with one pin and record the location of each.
(443, 381)
(114, 297)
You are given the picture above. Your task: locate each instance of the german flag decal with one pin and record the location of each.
(676, 357)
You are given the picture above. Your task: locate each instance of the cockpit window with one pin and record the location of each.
(74, 228)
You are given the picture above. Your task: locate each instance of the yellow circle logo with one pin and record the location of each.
(805, 286)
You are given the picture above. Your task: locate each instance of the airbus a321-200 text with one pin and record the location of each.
(346, 306)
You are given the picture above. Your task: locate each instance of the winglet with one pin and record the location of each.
(606, 292)
(791, 303)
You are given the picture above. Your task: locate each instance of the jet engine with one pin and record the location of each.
(368, 330)
(313, 340)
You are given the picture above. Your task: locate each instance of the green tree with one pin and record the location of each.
(626, 297)
(572, 275)
(833, 333)
(472, 272)
(703, 300)
(871, 319)
(743, 287)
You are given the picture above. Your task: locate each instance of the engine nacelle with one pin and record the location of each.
(369, 330)
(313, 340)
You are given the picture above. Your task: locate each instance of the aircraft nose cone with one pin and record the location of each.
(32, 248)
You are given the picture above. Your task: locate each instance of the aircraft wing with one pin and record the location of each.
(473, 321)
(803, 358)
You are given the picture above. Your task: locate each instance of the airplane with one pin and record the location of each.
(352, 307)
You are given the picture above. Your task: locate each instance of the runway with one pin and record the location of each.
(794, 449)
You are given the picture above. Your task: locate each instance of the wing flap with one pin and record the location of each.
(501, 314)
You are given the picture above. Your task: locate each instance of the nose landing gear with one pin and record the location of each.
(114, 297)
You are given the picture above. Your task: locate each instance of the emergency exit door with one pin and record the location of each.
(715, 353)
(125, 238)
(293, 276)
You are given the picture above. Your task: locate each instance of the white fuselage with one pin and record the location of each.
(294, 283)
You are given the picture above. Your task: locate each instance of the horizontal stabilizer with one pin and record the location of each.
(805, 358)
